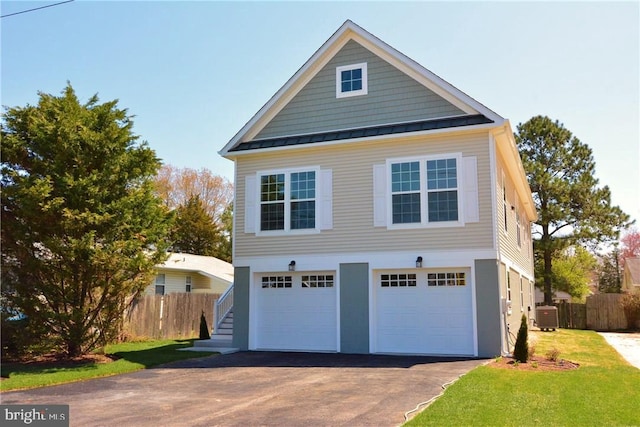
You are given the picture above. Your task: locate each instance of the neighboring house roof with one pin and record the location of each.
(631, 273)
(474, 114)
(205, 265)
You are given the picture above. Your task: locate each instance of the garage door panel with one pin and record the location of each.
(296, 318)
(424, 319)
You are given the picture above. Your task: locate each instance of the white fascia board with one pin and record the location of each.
(407, 135)
(322, 56)
(291, 87)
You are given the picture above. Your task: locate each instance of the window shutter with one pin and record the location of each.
(379, 195)
(250, 204)
(470, 188)
(326, 199)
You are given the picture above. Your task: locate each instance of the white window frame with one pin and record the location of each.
(521, 295)
(188, 284)
(518, 227)
(505, 207)
(365, 80)
(287, 201)
(424, 206)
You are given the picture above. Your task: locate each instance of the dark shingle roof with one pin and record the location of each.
(363, 132)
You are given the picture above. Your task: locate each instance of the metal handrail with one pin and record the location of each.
(223, 306)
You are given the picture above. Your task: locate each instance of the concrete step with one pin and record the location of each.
(217, 344)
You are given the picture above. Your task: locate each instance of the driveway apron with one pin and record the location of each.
(257, 388)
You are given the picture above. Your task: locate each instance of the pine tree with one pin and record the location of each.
(572, 209)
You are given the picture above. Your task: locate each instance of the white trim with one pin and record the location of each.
(362, 91)
(493, 168)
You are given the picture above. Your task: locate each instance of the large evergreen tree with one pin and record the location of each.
(572, 209)
(81, 227)
(194, 231)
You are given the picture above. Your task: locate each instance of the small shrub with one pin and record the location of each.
(631, 306)
(521, 350)
(204, 329)
(534, 364)
(553, 354)
(532, 351)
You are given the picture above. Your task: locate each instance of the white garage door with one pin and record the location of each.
(424, 312)
(296, 312)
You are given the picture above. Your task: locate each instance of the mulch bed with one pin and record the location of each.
(58, 361)
(535, 363)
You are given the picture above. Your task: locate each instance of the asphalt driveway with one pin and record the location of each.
(256, 388)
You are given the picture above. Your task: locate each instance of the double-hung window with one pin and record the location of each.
(425, 190)
(288, 201)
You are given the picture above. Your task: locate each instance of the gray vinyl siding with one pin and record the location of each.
(354, 308)
(353, 230)
(242, 283)
(392, 97)
(522, 255)
(488, 307)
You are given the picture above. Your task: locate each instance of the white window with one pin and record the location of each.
(351, 80)
(425, 191)
(289, 201)
(508, 285)
(187, 284)
(160, 282)
(521, 295)
(518, 228)
(504, 204)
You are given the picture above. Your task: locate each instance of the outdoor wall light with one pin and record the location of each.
(419, 262)
(292, 266)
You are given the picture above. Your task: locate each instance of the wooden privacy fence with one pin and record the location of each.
(602, 312)
(572, 316)
(169, 316)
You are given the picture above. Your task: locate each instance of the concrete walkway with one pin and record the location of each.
(257, 388)
(627, 344)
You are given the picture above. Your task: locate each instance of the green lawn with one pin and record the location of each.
(603, 391)
(131, 356)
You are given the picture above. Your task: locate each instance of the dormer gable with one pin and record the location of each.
(355, 84)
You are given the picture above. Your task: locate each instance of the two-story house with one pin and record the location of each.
(378, 209)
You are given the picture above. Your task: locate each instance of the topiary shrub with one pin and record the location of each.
(204, 329)
(521, 350)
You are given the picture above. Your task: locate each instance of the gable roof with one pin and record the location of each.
(206, 265)
(347, 32)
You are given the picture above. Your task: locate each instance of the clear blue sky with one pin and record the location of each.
(193, 73)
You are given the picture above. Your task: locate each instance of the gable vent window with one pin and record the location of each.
(351, 80)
